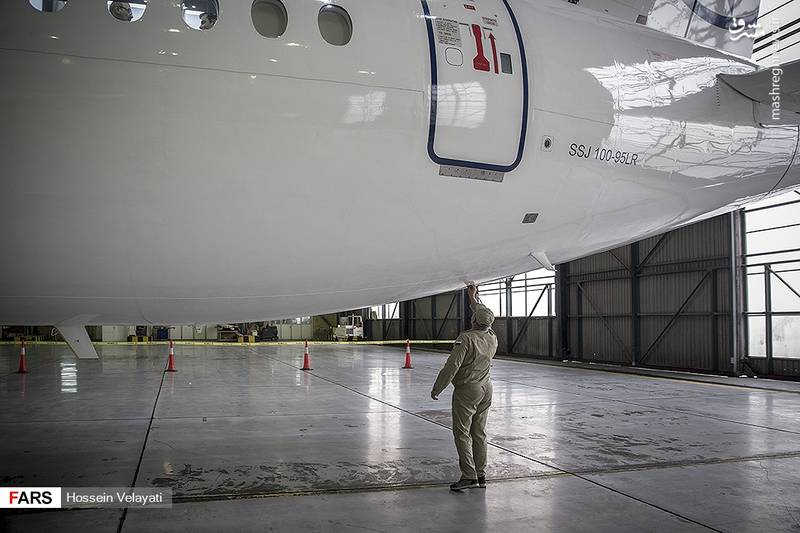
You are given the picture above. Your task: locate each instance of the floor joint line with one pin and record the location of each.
(658, 408)
(701, 415)
(508, 450)
(628, 371)
(124, 514)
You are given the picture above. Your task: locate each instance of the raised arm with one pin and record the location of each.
(472, 291)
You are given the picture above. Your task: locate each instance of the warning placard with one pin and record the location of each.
(448, 32)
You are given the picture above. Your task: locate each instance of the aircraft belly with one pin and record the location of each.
(180, 195)
(166, 193)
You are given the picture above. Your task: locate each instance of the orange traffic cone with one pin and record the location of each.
(408, 355)
(306, 359)
(23, 365)
(171, 361)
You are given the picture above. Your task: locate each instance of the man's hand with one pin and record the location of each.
(472, 290)
(434, 396)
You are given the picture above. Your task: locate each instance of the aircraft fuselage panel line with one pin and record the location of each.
(180, 176)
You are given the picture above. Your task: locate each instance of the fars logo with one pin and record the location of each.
(30, 497)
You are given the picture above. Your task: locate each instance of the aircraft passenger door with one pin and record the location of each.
(479, 87)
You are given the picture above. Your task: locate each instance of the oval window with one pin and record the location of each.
(200, 14)
(127, 11)
(269, 17)
(48, 6)
(335, 25)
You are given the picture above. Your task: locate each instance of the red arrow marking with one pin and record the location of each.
(494, 52)
(480, 62)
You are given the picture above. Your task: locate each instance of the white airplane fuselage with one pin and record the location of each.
(156, 174)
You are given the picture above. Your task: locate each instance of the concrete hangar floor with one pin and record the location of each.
(249, 442)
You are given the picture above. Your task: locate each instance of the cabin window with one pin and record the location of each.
(200, 14)
(127, 11)
(335, 25)
(269, 17)
(48, 6)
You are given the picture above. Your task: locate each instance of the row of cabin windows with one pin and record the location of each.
(270, 17)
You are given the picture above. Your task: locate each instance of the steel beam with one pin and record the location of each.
(433, 317)
(636, 329)
(447, 315)
(780, 278)
(509, 331)
(739, 325)
(654, 249)
(605, 321)
(620, 261)
(405, 320)
(562, 307)
(414, 318)
(675, 316)
(524, 327)
(549, 321)
(768, 316)
(715, 330)
(387, 323)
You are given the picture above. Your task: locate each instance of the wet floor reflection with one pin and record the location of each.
(69, 377)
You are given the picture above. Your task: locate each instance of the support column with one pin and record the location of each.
(413, 308)
(509, 329)
(768, 309)
(636, 325)
(549, 320)
(562, 308)
(738, 291)
(366, 316)
(433, 318)
(715, 320)
(405, 320)
(579, 296)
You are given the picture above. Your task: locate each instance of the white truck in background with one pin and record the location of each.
(350, 328)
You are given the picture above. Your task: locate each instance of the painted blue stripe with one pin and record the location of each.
(434, 100)
(717, 19)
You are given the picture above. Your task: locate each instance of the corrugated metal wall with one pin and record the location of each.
(662, 302)
(665, 302)
(441, 317)
(381, 330)
(780, 367)
(535, 337)
(436, 317)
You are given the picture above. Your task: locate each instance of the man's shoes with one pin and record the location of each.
(482, 482)
(464, 483)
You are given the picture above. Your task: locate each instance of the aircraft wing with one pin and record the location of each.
(776, 91)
